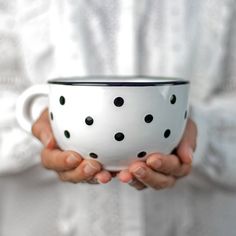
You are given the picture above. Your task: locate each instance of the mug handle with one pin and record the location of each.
(25, 103)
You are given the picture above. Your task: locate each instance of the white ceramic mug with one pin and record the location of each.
(115, 120)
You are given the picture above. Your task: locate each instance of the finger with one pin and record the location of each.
(125, 176)
(137, 184)
(151, 178)
(167, 164)
(41, 129)
(188, 143)
(184, 170)
(85, 171)
(103, 177)
(60, 161)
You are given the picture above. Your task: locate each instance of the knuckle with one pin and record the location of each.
(44, 159)
(162, 184)
(64, 163)
(95, 164)
(78, 176)
(167, 169)
(176, 161)
(167, 183)
(72, 180)
(62, 177)
(65, 178)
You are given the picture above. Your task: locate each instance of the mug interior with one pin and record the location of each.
(118, 81)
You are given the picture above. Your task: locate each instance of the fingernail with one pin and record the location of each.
(140, 172)
(98, 181)
(72, 160)
(156, 163)
(89, 169)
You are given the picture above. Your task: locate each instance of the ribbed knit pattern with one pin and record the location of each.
(195, 40)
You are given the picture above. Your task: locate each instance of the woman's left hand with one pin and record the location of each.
(161, 171)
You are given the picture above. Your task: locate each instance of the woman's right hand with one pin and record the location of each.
(69, 165)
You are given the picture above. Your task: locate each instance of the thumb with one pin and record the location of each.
(188, 143)
(41, 129)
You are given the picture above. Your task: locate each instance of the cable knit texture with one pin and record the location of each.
(194, 40)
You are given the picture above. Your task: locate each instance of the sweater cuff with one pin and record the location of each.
(214, 159)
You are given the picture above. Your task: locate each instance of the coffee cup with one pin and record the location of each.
(115, 120)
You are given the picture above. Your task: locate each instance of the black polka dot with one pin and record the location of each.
(148, 118)
(119, 136)
(89, 120)
(173, 99)
(119, 101)
(67, 134)
(51, 115)
(141, 154)
(93, 155)
(62, 100)
(185, 114)
(167, 133)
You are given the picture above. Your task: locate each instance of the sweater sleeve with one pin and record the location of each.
(18, 149)
(215, 157)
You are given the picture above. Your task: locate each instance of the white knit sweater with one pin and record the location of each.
(195, 40)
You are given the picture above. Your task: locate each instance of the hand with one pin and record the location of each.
(69, 165)
(161, 171)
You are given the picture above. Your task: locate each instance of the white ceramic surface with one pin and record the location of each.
(113, 120)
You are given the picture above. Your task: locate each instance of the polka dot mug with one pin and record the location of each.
(115, 120)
